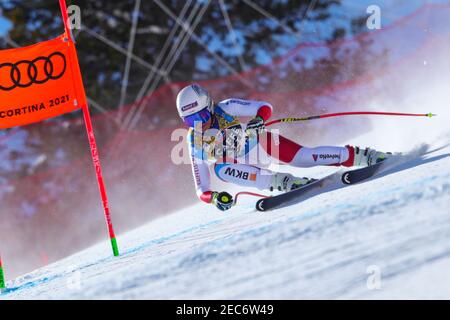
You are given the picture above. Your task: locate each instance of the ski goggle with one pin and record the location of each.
(202, 116)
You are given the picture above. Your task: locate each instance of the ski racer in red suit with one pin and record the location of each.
(251, 151)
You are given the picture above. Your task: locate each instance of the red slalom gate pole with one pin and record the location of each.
(2, 277)
(341, 114)
(101, 183)
(92, 143)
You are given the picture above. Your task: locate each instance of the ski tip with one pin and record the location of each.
(346, 178)
(260, 205)
(431, 115)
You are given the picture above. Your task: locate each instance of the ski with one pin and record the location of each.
(358, 175)
(281, 199)
(348, 177)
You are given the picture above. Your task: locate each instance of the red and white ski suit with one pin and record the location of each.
(268, 148)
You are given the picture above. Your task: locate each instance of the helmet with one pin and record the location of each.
(194, 104)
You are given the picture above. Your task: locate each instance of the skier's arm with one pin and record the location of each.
(223, 200)
(247, 108)
(200, 167)
(200, 170)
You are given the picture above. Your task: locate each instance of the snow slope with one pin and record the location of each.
(396, 225)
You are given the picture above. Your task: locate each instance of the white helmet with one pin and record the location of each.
(192, 99)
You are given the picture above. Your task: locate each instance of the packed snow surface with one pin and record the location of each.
(386, 238)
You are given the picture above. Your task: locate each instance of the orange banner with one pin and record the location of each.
(39, 82)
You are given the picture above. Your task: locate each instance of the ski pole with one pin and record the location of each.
(247, 194)
(341, 114)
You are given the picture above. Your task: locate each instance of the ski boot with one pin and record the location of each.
(367, 157)
(287, 182)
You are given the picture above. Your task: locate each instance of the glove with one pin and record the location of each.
(256, 125)
(223, 200)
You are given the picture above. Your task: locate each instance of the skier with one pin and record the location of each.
(206, 119)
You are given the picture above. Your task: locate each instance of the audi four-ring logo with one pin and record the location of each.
(24, 73)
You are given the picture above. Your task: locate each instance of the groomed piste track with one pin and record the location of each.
(326, 247)
(320, 248)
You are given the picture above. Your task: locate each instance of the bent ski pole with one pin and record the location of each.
(248, 194)
(341, 114)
